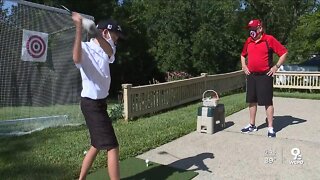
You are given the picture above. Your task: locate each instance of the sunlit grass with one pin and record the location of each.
(305, 94)
(19, 112)
(57, 153)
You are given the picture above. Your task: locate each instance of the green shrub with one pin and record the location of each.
(176, 75)
(116, 112)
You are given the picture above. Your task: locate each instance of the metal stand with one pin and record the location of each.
(208, 118)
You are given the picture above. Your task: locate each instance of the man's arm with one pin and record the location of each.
(77, 19)
(280, 50)
(244, 54)
(281, 60)
(244, 65)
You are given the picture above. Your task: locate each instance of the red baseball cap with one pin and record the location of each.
(254, 23)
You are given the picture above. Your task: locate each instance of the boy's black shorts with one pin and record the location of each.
(260, 89)
(99, 123)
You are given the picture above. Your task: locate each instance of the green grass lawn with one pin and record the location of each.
(298, 94)
(57, 153)
(10, 113)
(73, 111)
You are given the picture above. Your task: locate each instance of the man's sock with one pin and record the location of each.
(270, 130)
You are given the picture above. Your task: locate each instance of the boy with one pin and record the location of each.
(92, 59)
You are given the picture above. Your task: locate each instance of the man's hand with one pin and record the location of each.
(245, 69)
(273, 70)
(244, 65)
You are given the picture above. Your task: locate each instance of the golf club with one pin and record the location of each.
(87, 24)
(65, 8)
(90, 27)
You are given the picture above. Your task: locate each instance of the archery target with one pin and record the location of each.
(34, 46)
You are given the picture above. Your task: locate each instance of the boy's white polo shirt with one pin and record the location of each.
(95, 72)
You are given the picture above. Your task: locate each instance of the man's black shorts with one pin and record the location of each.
(260, 89)
(99, 124)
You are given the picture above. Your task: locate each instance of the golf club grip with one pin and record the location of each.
(89, 26)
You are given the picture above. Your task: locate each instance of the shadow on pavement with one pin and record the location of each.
(280, 122)
(197, 161)
(218, 127)
(161, 172)
(227, 125)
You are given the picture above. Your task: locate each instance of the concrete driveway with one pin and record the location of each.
(230, 154)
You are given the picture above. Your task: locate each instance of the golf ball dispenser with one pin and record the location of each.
(210, 113)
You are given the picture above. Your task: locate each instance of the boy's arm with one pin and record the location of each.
(77, 19)
(105, 45)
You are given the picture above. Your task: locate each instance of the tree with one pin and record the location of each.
(191, 36)
(305, 39)
(279, 17)
(99, 9)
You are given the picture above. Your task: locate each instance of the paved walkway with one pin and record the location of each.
(229, 154)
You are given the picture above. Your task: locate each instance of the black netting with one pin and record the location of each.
(37, 89)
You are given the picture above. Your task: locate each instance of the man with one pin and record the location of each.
(259, 49)
(92, 59)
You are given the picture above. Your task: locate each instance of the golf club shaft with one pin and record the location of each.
(65, 8)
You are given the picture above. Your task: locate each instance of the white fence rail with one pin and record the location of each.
(297, 80)
(147, 99)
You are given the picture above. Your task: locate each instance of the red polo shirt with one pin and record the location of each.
(260, 53)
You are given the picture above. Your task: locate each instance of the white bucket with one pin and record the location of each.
(212, 100)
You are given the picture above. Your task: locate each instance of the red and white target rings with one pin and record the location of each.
(36, 46)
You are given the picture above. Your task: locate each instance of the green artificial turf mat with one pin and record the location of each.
(134, 168)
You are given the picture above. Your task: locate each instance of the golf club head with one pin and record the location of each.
(90, 27)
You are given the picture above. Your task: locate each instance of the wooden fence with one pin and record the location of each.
(152, 98)
(148, 99)
(297, 80)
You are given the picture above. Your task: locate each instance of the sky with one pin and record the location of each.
(7, 5)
